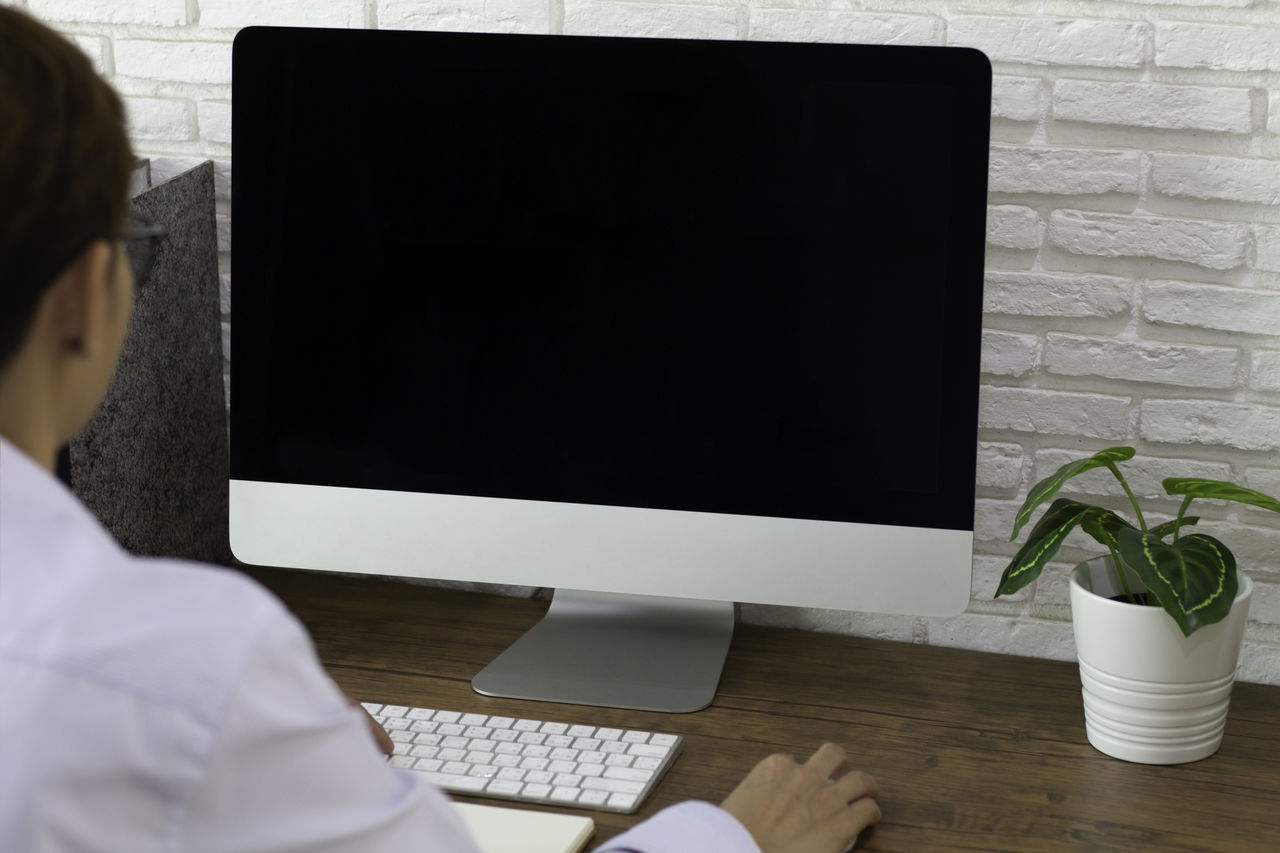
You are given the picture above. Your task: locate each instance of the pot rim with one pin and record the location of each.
(1243, 590)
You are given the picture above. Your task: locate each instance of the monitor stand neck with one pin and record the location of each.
(619, 651)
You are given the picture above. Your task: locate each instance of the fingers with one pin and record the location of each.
(829, 761)
(831, 764)
(856, 785)
(818, 807)
(848, 797)
(845, 826)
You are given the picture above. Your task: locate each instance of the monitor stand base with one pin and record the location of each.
(619, 651)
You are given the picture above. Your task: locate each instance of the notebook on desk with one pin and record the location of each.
(502, 830)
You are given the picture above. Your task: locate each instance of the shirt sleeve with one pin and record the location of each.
(293, 766)
(689, 827)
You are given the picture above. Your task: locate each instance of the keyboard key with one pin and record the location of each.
(648, 750)
(615, 786)
(454, 782)
(593, 798)
(504, 787)
(623, 802)
(629, 773)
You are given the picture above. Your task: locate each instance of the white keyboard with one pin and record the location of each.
(533, 761)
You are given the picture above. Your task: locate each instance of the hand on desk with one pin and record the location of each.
(818, 807)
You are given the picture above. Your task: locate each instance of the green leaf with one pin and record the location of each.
(1049, 486)
(1219, 490)
(1162, 530)
(1046, 538)
(1103, 525)
(1194, 579)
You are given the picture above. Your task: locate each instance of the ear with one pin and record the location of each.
(79, 303)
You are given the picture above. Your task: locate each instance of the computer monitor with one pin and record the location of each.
(661, 324)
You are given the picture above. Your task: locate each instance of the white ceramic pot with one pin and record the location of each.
(1151, 695)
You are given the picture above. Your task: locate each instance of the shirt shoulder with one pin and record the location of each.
(175, 633)
(74, 603)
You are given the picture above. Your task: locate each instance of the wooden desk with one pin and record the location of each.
(973, 751)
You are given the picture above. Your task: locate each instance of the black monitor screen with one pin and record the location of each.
(731, 277)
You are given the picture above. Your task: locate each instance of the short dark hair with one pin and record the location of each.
(65, 162)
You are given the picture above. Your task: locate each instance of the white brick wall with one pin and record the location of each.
(174, 61)
(1013, 227)
(1225, 48)
(1157, 105)
(1217, 245)
(1096, 416)
(158, 13)
(1133, 281)
(1063, 171)
(844, 26)
(1251, 180)
(1055, 295)
(1208, 306)
(1184, 365)
(1053, 41)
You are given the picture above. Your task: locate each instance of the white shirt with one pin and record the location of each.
(156, 705)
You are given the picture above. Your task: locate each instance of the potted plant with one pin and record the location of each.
(1158, 619)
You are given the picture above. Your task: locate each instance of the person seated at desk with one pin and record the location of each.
(158, 705)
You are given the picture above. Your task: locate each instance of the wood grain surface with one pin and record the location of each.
(973, 751)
